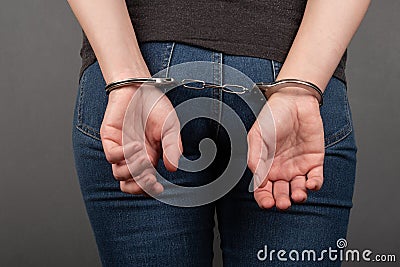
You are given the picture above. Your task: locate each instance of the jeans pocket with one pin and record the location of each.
(335, 112)
(92, 101)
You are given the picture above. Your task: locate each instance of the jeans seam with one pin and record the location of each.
(220, 92)
(89, 131)
(348, 108)
(217, 92)
(171, 50)
(212, 123)
(273, 70)
(81, 94)
(276, 67)
(220, 95)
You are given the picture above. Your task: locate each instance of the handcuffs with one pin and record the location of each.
(267, 89)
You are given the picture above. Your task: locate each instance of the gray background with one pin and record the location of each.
(42, 217)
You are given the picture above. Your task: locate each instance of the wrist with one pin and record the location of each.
(296, 94)
(124, 94)
(301, 93)
(292, 89)
(296, 100)
(128, 73)
(132, 66)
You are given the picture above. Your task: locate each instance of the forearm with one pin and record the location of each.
(324, 34)
(107, 25)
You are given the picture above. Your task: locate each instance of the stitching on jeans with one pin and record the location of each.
(339, 136)
(80, 105)
(273, 70)
(169, 59)
(220, 94)
(89, 131)
(214, 93)
(85, 129)
(277, 66)
(217, 78)
(167, 74)
(347, 107)
(345, 130)
(220, 69)
(164, 58)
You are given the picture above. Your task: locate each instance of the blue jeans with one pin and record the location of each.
(133, 230)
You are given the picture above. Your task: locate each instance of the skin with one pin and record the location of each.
(135, 169)
(326, 30)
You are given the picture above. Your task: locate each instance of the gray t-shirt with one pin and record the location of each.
(258, 28)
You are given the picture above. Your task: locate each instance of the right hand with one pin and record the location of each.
(297, 165)
(152, 135)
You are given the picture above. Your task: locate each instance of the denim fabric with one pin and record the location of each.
(133, 230)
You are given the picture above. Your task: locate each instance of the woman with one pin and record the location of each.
(267, 41)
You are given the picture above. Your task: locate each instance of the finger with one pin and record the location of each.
(113, 151)
(143, 185)
(258, 161)
(148, 183)
(111, 138)
(133, 148)
(121, 172)
(138, 163)
(130, 187)
(157, 189)
(171, 142)
(298, 189)
(315, 178)
(255, 147)
(264, 196)
(281, 194)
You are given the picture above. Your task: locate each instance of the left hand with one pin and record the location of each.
(298, 161)
(152, 129)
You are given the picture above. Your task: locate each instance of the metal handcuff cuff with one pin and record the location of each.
(267, 88)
